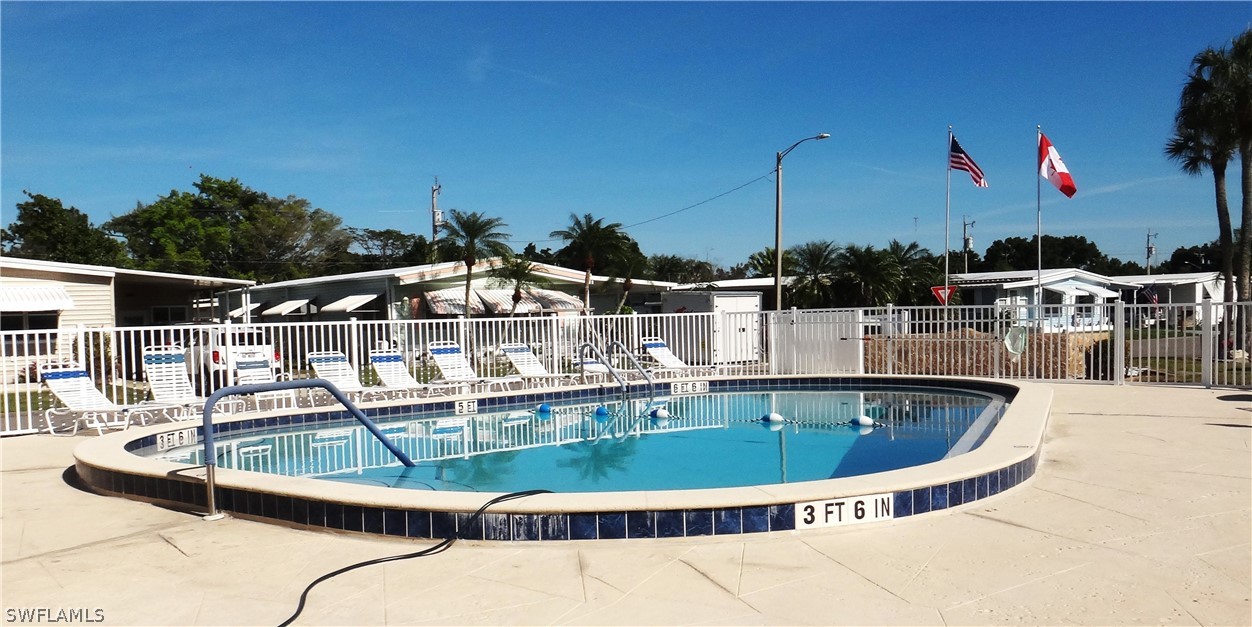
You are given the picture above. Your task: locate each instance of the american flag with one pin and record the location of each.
(958, 159)
(1150, 295)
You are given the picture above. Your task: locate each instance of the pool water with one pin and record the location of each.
(706, 441)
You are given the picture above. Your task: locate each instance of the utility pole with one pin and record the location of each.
(1151, 250)
(436, 216)
(967, 241)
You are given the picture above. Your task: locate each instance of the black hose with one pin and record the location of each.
(438, 548)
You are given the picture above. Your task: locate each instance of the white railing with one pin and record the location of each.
(1205, 344)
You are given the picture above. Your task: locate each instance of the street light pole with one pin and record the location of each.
(778, 249)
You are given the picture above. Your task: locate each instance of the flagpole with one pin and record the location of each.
(947, 218)
(1038, 227)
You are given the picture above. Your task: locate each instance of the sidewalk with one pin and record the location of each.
(1139, 514)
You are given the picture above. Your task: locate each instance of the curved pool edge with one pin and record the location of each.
(1009, 456)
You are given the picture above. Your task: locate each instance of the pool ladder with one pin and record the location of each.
(210, 456)
(603, 360)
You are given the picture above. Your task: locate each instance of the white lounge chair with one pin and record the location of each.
(532, 371)
(391, 369)
(334, 367)
(165, 368)
(257, 371)
(668, 364)
(456, 368)
(87, 405)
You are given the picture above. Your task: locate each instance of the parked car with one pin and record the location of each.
(211, 354)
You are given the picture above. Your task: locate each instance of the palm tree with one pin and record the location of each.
(870, 273)
(1240, 88)
(815, 266)
(761, 263)
(918, 272)
(518, 273)
(591, 242)
(1194, 150)
(472, 235)
(1204, 137)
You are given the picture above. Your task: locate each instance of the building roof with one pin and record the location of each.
(453, 269)
(758, 283)
(1170, 279)
(1012, 279)
(19, 263)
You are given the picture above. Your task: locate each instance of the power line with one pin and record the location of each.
(672, 213)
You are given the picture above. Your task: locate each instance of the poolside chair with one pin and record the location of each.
(668, 364)
(391, 369)
(74, 388)
(533, 372)
(334, 367)
(456, 368)
(165, 368)
(257, 371)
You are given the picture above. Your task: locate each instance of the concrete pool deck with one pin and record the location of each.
(1139, 514)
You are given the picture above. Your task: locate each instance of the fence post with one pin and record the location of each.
(1119, 343)
(888, 329)
(1206, 342)
(228, 377)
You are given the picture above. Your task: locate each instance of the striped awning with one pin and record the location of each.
(501, 301)
(451, 302)
(286, 307)
(349, 303)
(25, 298)
(557, 301)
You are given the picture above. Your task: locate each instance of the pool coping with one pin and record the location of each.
(1009, 456)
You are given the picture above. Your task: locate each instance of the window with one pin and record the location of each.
(169, 314)
(40, 337)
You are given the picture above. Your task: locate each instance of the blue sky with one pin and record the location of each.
(627, 111)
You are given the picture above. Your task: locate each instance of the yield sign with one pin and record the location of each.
(943, 293)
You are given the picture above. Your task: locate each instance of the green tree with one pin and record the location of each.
(46, 230)
(919, 271)
(1205, 136)
(816, 265)
(533, 253)
(228, 229)
(592, 244)
(868, 274)
(761, 263)
(517, 272)
(1202, 258)
(389, 248)
(170, 235)
(678, 269)
(471, 236)
(1019, 253)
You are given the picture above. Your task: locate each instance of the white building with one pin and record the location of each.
(430, 291)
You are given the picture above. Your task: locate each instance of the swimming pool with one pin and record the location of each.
(1007, 456)
(683, 442)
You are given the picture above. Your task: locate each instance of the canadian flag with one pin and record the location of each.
(1052, 168)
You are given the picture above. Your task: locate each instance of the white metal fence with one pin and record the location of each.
(1115, 343)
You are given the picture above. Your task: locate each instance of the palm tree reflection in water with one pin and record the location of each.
(479, 470)
(596, 461)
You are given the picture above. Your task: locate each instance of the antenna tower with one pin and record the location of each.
(436, 216)
(1151, 249)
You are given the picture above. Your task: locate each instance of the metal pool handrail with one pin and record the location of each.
(600, 356)
(210, 457)
(635, 362)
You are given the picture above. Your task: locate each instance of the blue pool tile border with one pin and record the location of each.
(189, 493)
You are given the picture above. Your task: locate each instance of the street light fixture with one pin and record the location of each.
(778, 249)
